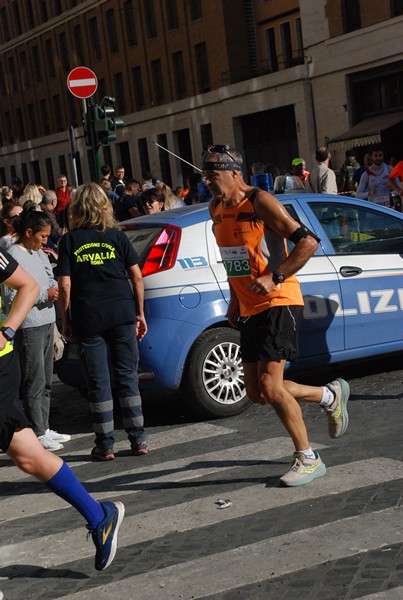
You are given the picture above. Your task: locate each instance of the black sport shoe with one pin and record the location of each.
(105, 534)
(139, 449)
(102, 454)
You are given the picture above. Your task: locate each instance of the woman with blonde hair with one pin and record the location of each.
(107, 314)
(170, 200)
(31, 193)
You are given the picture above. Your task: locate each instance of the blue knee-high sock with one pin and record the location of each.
(66, 485)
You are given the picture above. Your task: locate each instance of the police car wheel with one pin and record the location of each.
(213, 384)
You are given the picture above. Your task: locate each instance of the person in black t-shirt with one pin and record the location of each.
(129, 205)
(107, 317)
(19, 441)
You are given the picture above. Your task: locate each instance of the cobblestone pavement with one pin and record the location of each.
(338, 538)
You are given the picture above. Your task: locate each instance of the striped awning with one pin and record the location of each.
(366, 132)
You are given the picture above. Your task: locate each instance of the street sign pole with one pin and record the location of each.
(83, 83)
(89, 106)
(74, 153)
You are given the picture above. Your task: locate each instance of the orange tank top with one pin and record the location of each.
(250, 250)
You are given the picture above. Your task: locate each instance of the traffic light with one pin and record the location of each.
(105, 122)
(88, 124)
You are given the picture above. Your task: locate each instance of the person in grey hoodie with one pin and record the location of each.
(34, 339)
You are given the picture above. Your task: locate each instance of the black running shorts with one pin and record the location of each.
(271, 335)
(11, 416)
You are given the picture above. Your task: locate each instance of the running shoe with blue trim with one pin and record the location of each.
(105, 534)
(337, 415)
(304, 470)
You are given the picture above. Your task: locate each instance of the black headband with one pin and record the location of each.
(221, 166)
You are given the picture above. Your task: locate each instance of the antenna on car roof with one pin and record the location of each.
(176, 156)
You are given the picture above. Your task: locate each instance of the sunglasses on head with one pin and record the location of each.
(220, 149)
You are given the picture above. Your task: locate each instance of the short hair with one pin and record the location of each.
(375, 148)
(147, 175)
(152, 193)
(105, 170)
(322, 153)
(105, 184)
(48, 197)
(119, 167)
(230, 155)
(130, 183)
(350, 153)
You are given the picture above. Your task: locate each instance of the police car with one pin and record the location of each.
(352, 288)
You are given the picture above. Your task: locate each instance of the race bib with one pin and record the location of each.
(236, 261)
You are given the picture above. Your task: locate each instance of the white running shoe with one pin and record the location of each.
(50, 444)
(58, 437)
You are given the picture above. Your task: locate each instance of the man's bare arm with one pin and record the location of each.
(27, 294)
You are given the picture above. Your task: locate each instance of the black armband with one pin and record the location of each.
(302, 232)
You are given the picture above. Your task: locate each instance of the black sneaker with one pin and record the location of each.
(102, 454)
(105, 534)
(139, 449)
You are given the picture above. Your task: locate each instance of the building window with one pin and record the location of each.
(44, 11)
(4, 23)
(203, 76)
(58, 7)
(286, 44)
(143, 155)
(78, 45)
(165, 167)
(128, 11)
(158, 82)
(10, 127)
(179, 74)
(351, 15)
(32, 121)
(119, 93)
(37, 171)
(62, 164)
(138, 88)
(58, 113)
(30, 14)
(112, 32)
(172, 13)
(24, 171)
(72, 104)
(151, 23)
(17, 18)
(272, 60)
(13, 74)
(206, 134)
(64, 51)
(49, 173)
(195, 10)
(50, 58)
(20, 125)
(94, 36)
(300, 42)
(44, 116)
(26, 81)
(377, 95)
(396, 8)
(37, 63)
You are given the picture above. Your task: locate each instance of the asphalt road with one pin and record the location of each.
(339, 538)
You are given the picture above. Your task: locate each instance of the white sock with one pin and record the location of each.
(309, 453)
(327, 397)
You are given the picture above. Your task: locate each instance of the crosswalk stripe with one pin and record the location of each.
(261, 561)
(395, 594)
(50, 550)
(156, 441)
(182, 469)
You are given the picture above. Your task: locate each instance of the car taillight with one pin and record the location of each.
(163, 254)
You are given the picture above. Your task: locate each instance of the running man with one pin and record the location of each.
(251, 227)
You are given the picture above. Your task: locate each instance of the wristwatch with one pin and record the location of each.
(278, 277)
(8, 333)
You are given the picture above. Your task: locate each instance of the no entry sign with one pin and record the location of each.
(82, 82)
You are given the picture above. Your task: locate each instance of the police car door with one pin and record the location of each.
(321, 333)
(367, 253)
